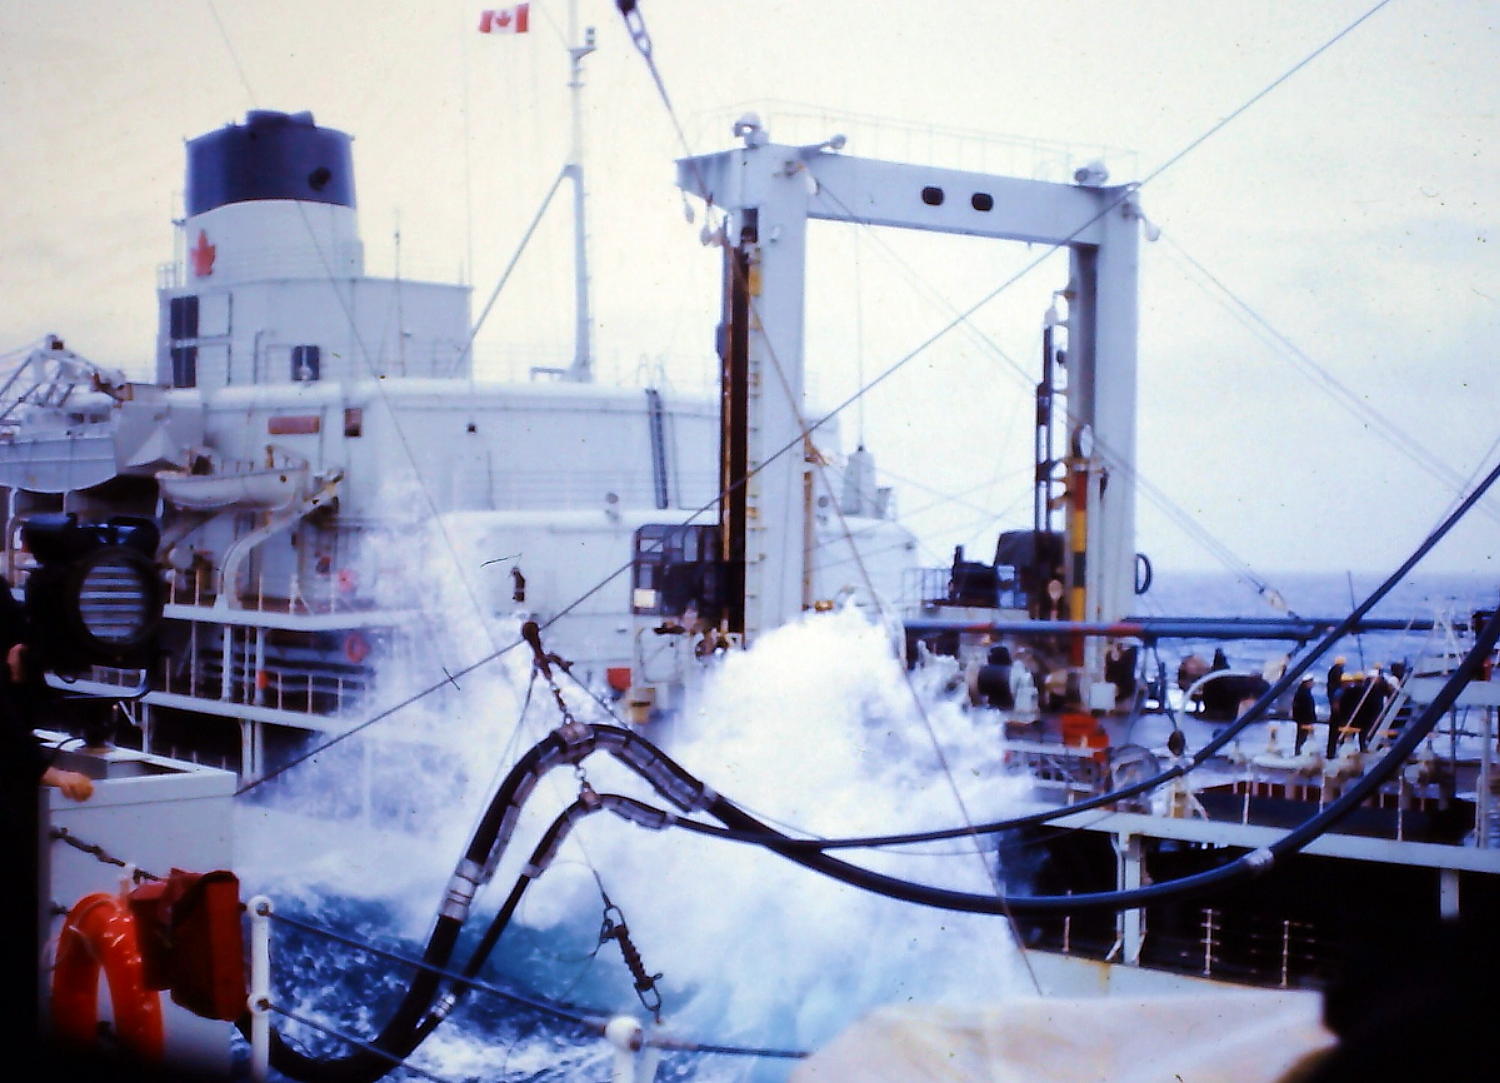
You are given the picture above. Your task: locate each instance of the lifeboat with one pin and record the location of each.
(208, 486)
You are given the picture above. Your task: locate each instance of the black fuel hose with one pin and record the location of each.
(399, 1036)
(414, 1019)
(1247, 865)
(1252, 714)
(541, 857)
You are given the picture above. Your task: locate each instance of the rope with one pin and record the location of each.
(467, 351)
(233, 54)
(1283, 77)
(614, 928)
(63, 835)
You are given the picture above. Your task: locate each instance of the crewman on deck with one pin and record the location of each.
(1002, 695)
(1304, 711)
(1335, 682)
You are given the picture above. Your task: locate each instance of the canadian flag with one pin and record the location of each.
(516, 20)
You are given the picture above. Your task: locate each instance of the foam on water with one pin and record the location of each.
(816, 727)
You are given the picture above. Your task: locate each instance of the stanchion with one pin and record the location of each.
(260, 988)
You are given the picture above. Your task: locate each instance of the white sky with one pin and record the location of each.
(1354, 208)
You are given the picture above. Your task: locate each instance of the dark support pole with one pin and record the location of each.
(734, 423)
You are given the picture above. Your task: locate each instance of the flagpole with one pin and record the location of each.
(582, 369)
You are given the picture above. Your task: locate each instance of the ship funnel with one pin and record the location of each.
(272, 198)
(271, 156)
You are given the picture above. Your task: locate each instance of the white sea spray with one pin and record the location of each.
(816, 727)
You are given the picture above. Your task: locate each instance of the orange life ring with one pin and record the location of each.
(100, 933)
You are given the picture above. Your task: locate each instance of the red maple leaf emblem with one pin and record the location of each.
(203, 256)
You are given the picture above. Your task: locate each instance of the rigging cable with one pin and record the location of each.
(632, 18)
(418, 1015)
(467, 352)
(1283, 77)
(233, 55)
(1358, 407)
(421, 1011)
(1184, 520)
(1252, 714)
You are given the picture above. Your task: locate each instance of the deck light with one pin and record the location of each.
(95, 597)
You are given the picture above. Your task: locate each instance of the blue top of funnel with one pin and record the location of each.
(271, 156)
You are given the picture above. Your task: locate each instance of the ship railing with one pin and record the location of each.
(673, 374)
(335, 590)
(301, 690)
(1259, 949)
(977, 150)
(530, 490)
(1216, 943)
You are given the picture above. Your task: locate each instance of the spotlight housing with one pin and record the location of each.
(95, 597)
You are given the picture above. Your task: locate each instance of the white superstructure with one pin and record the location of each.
(302, 408)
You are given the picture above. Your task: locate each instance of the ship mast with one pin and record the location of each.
(582, 368)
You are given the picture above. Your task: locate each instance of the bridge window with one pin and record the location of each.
(185, 365)
(307, 362)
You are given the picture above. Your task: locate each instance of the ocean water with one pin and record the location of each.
(817, 728)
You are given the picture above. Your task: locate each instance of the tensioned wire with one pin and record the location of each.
(880, 378)
(642, 41)
(1356, 406)
(379, 384)
(435, 515)
(1184, 520)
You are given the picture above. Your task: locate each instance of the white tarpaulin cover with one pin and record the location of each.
(1228, 1037)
